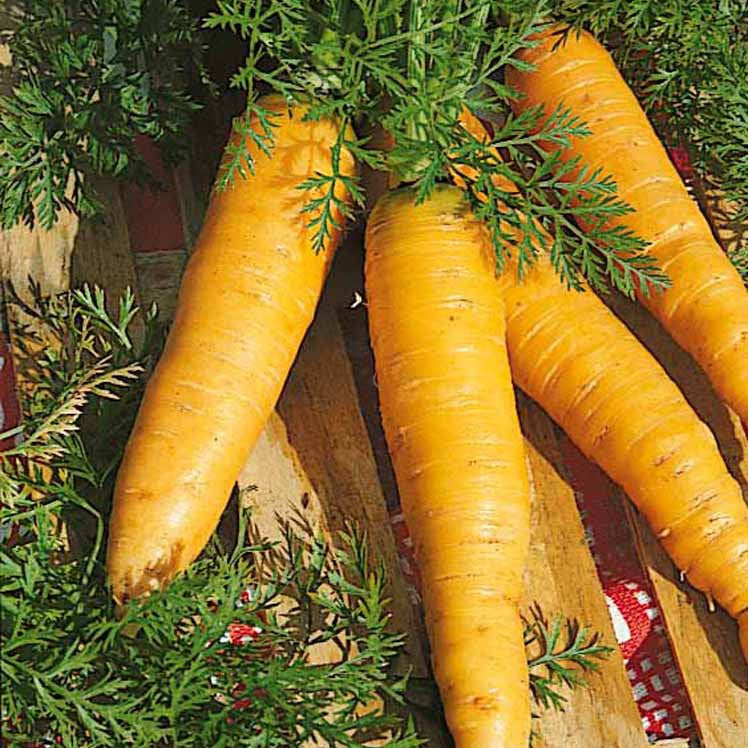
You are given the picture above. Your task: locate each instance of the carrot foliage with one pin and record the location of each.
(561, 654)
(225, 655)
(85, 79)
(457, 52)
(329, 54)
(411, 67)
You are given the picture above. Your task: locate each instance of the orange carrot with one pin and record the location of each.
(570, 353)
(248, 295)
(618, 405)
(437, 330)
(706, 308)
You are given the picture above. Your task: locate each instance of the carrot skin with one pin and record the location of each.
(247, 297)
(447, 404)
(618, 405)
(706, 308)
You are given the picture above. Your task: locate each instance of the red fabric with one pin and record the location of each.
(154, 217)
(9, 414)
(655, 681)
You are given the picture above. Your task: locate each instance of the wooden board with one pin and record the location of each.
(158, 275)
(73, 252)
(561, 579)
(320, 409)
(322, 460)
(705, 644)
(43, 255)
(101, 253)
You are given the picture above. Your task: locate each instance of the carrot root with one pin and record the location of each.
(448, 410)
(706, 307)
(621, 409)
(247, 297)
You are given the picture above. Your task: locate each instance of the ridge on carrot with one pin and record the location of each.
(705, 309)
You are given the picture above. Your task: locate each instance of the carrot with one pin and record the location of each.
(248, 295)
(447, 402)
(706, 308)
(618, 405)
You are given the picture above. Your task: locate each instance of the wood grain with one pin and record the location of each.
(320, 409)
(40, 254)
(73, 252)
(101, 253)
(705, 644)
(561, 579)
(159, 274)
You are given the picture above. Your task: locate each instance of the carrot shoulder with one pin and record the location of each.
(447, 403)
(706, 308)
(247, 297)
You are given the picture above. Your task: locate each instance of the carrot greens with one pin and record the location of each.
(411, 67)
(84, 80)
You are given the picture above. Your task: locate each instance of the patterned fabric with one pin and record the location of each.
(655, 680)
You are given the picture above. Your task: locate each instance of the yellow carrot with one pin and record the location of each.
(437, 330)
(570, 353)
(706, 308)
(248, 295)
(594, 378)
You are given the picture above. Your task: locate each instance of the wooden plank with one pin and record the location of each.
(191, 208)
(320, 409)
(40, 254)
(314, 465)
(74, 251)
(705, 647)
(101, 254)
(561, 579)
(276, 486)
(159, 275)
(705, 644)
